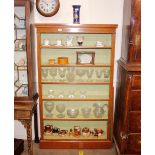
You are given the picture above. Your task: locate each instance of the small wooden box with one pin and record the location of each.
(62, 60)
(51, 61)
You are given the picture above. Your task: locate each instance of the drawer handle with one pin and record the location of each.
(130, 42)
(139, 141)
(123, 136)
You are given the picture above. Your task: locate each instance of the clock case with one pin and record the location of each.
(48, 14)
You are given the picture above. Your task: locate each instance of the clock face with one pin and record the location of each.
(47, 7)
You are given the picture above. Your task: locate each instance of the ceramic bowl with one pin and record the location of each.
(86, 112)
(72, 113)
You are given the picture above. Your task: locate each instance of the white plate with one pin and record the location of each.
(85, 58)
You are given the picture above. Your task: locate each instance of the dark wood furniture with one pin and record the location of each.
(25, 94)
(127, 119)
(23, 111)
(96, 89)
(18, 146)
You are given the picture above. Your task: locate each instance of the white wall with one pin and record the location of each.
(92, 12)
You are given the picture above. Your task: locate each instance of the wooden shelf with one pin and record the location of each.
(18, 51)
(69, 143)
(18, 28)
(20, 39)
(67, 137)
(77, 65)
(74, 99)
(75, 47)
(79, 118)
(76, 83)
(21, 68)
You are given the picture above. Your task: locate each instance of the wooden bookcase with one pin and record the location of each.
(82, 85)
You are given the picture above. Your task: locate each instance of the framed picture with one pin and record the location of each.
(85, 57)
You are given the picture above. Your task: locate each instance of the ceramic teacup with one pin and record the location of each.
(46, 42)
(58, 42)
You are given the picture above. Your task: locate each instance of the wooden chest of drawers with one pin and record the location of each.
(135, 100)
(127, 124)
(134, 144)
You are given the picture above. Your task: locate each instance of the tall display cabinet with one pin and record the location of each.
(23, 78)
(127, 123)
(25, 94)
(75, 73)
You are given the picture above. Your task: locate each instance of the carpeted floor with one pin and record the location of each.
(38, 151)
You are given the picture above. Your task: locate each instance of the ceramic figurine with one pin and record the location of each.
(77, 131)
(98, 132)
(48, 129)
(55, 131)
(85, 131)
(59, 43)
(63, 132)
(71, 132)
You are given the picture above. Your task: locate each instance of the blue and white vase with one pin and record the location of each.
(76, 14)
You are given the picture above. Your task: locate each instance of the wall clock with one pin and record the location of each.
(47, 8)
